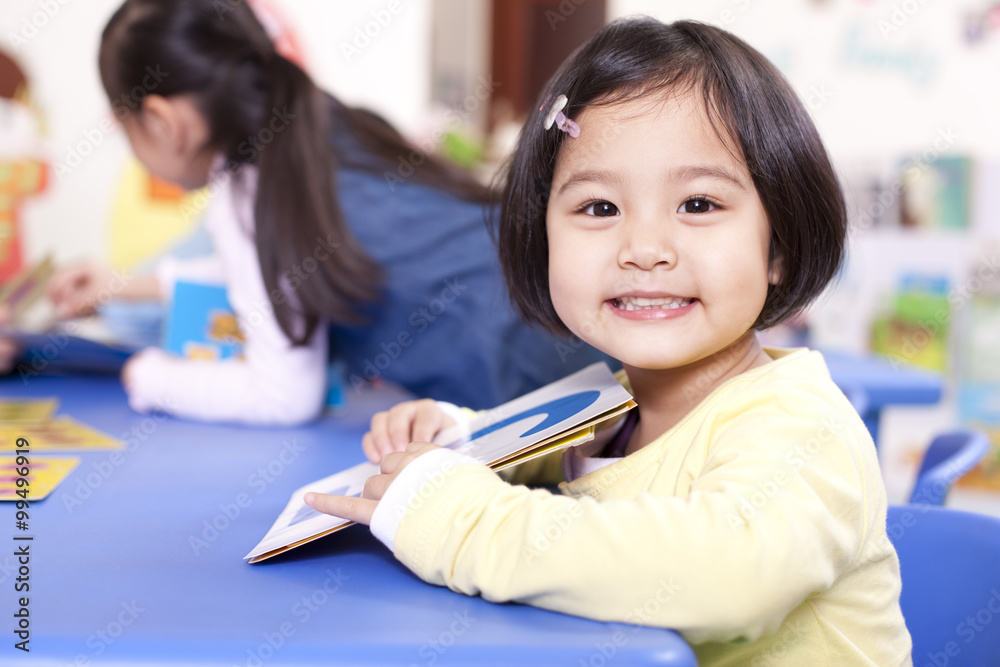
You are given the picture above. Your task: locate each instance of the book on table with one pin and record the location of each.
(200, 323)
(49, 342)
(559, 415)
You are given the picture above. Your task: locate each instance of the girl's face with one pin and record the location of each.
(658, 241)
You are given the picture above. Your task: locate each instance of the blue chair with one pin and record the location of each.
(950, 565)
(858, 397)
(947, 459)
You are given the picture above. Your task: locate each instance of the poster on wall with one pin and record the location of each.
(23, 172)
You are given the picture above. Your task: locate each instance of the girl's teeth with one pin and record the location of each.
(641, 303)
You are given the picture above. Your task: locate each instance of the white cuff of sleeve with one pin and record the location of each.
(407, 486)
(462, 417)
(147, 369)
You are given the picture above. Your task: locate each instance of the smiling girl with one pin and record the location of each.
(675, 203)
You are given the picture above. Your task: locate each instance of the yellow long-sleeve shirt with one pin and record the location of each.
(756, 527)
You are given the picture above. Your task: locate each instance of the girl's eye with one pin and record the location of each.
(697, 205)
(601, 209)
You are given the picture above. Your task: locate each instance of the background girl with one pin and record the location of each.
(743, 495)
(311, 236)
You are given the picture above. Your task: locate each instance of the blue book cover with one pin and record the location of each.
(201, 324)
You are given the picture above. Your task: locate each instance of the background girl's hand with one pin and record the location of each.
(76, 290)
(393, 430)
(8, 349)
(361, 509)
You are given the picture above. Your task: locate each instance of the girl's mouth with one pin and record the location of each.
(632, 303)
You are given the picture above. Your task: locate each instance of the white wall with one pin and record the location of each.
(887, 90)
(56, 42)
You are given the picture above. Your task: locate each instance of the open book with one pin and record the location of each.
(23, 289)
(50, 343)
(559, 415)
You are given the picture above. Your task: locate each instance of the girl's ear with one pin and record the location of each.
(162, 121)
(174, 122)
(774, 271)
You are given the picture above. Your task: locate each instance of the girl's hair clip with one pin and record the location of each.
(555, 115)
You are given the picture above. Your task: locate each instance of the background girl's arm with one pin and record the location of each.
(275, 382)
(77, 290)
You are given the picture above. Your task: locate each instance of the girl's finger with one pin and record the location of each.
(346, 507)
(376, 486)
(400, 424)
(385, 450)
(368, 447)
(394, 462)
(427, 421)
(379, 431)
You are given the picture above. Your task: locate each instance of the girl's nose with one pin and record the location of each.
(647, 244)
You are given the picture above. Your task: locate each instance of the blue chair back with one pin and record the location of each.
(948, 458)
(950, 565)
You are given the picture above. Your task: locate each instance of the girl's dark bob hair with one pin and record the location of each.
(752, 108)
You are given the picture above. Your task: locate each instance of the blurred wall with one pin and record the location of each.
(370, 52)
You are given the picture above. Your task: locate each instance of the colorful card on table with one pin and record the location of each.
(559, 415)
(31, 410)
(201, 324)
(45, 473)
(56, 434)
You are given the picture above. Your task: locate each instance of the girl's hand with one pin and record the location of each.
(361, 509)
(408, 422)
(8, 349)
(77, 290)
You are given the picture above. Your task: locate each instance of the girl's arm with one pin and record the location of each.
(272, 385)
(275, 382)
(77, 290)
(702, 563)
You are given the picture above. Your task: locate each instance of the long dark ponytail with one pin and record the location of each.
(263, 109)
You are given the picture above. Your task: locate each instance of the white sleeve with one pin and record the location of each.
(207, 269)
(271, 385)
(428, 467)
(275, 382)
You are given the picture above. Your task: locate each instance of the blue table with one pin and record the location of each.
(872, 383)
(137, 559)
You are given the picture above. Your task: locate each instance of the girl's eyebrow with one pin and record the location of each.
(599, 176)
(718, 172)
(684, 174)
